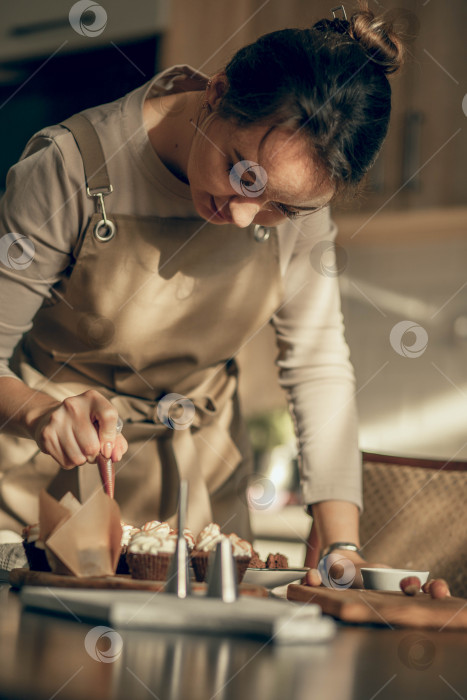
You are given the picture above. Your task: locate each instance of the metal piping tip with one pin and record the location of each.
(178, 580)
(222, 573)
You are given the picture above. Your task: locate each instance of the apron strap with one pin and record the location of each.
(87, 139)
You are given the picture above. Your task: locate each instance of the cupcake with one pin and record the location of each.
(34, 549)
(150, 553)
(127, 533)
(205, 544)
(242, 553)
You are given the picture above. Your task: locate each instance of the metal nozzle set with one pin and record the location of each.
(222, 572)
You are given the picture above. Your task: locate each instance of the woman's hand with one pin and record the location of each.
(76, 430)
(342, 570)
(335, 521)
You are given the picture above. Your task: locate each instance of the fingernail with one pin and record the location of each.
(107, 450)
(91, 460)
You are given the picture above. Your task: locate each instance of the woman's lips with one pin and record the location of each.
(217, 212)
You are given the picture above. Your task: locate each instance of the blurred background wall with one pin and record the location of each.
(402, 246)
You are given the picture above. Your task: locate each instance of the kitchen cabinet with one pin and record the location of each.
(49, 70)
(31, 29)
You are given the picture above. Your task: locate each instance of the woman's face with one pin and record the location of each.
(237, 177)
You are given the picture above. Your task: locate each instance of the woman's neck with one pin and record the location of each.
(170, 122)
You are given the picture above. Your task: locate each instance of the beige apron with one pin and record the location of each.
(157, 306)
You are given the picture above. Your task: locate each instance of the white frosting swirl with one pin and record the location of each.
(127, 532)
(152, 542)
(240, 548)
(157, 526)
(209, 538)
(189, 538)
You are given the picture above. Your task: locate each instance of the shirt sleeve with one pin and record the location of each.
(314, 364)
(39, 225)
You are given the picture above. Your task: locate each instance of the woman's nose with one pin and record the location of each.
(243, 211)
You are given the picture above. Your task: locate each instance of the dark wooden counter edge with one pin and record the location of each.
(24, 577)
(440, 464)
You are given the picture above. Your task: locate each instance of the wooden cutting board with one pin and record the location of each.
(394, 609)
(23, 577)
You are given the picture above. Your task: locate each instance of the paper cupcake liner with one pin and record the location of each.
(122, 566)
(36, 557)
(146, 566)
(199, 562)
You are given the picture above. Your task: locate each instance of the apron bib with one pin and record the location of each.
(152, 307)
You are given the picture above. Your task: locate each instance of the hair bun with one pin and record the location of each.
(379, 37)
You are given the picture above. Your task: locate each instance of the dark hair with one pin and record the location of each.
(328, 81)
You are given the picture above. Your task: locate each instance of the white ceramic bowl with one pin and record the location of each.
(388, 579)
(270, 578)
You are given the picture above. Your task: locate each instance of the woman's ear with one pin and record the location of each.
(216, 88)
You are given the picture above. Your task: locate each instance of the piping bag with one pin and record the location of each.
(106, 467)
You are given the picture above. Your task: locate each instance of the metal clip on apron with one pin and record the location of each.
(97, 177)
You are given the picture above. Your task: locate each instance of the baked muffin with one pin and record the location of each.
(205, 545)
(150, 553)
(242, 553)
(34, 549)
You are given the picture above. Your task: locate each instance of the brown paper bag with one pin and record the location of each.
(80, 539)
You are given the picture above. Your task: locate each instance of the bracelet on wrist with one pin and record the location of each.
(350, 546)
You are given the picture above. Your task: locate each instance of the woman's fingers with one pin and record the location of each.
(50, 445)
(439, 588)
(80, 412)
(60, 443)
(121, 447)
(85, 434)
(87, 440)
(79, 429)
(106, 417)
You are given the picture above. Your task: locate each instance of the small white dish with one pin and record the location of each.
(270, 578)
(388, 579)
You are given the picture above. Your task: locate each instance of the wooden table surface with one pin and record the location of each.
(44, 658)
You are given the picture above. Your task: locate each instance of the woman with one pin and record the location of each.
(158, 234)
